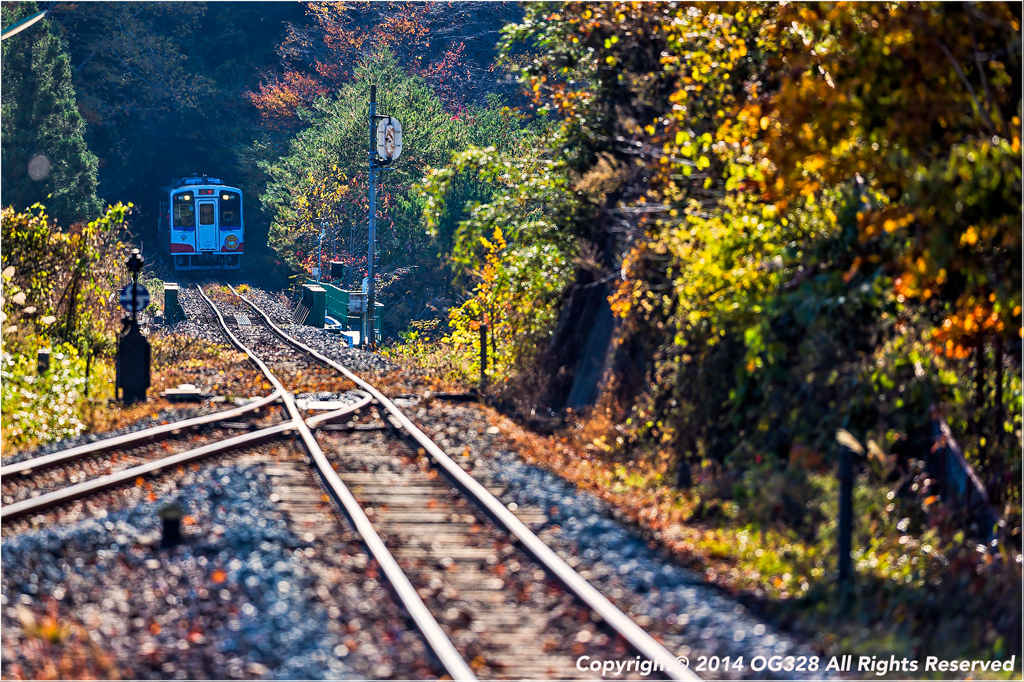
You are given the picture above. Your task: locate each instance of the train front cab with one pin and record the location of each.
(207, 230)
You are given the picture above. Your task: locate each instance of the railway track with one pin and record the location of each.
(486, 594)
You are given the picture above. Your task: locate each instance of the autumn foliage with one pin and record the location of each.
(320, 55)
(813, 210)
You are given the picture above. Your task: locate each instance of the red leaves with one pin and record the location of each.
(280, 97)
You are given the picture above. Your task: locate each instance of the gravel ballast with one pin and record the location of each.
(695, 619)
(242, 596)
(168, 415)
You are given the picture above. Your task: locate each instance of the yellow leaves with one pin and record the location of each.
(814, 163)
(764, 122)
(970, 236)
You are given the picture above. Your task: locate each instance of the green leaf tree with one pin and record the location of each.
(321, 181)
(45, 157)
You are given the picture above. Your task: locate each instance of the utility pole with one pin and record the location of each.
(371, 286)
(385, 147)
(319, 249)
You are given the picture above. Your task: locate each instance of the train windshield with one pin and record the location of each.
(230, 209)
(184, 212)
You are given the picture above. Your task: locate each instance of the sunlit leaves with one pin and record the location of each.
(513, 246)
(872, 65)
(827, 179)
(42, 407)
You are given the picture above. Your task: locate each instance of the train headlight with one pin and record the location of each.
(231, 242)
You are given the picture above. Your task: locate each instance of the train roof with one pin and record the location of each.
(195, 181)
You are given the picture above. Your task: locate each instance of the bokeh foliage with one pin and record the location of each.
(818, 217)
(57, 292)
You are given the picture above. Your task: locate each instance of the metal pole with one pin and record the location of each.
(21, 25)
(483, 357)
(135, 294)
(319, 259)
(371, 298)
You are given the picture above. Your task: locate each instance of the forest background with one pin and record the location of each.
(713, 245)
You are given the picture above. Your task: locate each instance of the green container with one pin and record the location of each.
(347, 307)
(337, 302)
(314, 300)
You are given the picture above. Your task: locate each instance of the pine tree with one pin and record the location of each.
(45, 158)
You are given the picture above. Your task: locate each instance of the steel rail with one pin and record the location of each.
(131, 439)
(64, 495)
(425, 621)
(638, 638)
(313, 422)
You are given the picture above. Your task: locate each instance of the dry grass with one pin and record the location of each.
(176, 360)
(789, 579)
(52, 647)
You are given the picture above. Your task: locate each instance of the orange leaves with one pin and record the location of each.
(964, 329)
(279, 97)
(872, 224)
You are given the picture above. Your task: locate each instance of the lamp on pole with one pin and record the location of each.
(21, 25)
(133, 353)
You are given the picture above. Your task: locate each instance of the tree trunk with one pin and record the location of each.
(999, 432)
(979, 399)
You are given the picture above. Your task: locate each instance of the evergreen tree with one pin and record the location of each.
(45, 158)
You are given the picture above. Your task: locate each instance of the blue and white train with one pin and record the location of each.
(201, 225)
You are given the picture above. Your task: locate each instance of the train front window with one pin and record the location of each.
(184, 212)
(206, 214)
(230, 209)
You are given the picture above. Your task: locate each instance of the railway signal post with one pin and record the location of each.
(385, 147)
(132, 366)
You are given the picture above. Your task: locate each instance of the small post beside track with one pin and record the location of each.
(845, 518)
(483, 357)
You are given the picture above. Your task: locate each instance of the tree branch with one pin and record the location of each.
(981, 66)
(967, 83)
(86, 60)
